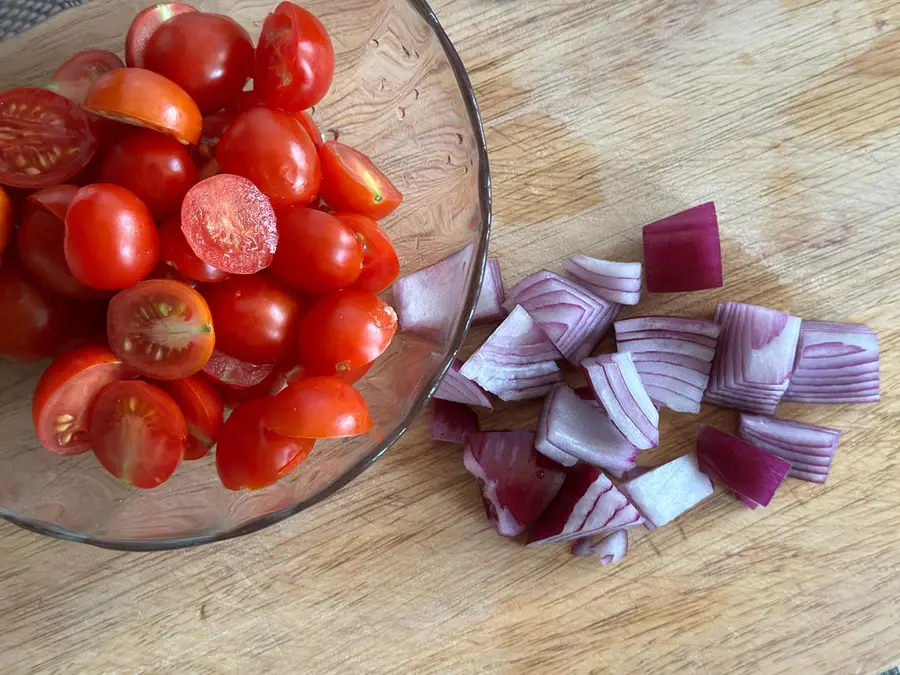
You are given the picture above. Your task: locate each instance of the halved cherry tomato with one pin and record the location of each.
(64, 395)
(144, 26)
(294, 59)
(55, 200)
(230, 224)
(47, 138)
(111, 240)
(145, 99)
(210, 56)
(311, 127)
(345, 331)
(138, 433)
(273, 150)
(352, 182)
(41, 247)
(231, 372)
(175, 251)
(161, 328)
(318, 407)
(155, 167)
(203, 412)
(381, 266)
(7, 219)
(317, 253)
(213, 127)
(33, 321)
(73, 78)
(251, 457)
(257, 318)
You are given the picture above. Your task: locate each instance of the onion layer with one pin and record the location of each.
(808, 448)
(664, 493)
(460, 389)
(682, 252)
(452, 422)
(614, 281)
(611, 549)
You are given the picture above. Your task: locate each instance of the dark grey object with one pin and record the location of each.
(20, 15)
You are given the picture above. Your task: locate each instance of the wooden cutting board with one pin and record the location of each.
(601, 116)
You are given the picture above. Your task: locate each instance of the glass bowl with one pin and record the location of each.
(401, 95)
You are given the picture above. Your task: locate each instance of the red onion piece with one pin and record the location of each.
(456, 387)
(614, 281)
(664, 493)
(611, 549)
(808, 448)
(748, 470)
(586, 394)
(574, 319)
(682, 252)
(452, 422)
(836, 363)
(619, 389)
(517, 483)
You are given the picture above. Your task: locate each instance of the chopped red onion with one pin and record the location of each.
(574, 319)
(682, 252)
(586, 394)
(619, 389)
(460, 389)
(588, 504)
(614, 281)
(836, 363)
(664, 493)
(808, 448)
(750, 471)
(517, 483)
(452, 422)
(611, 549)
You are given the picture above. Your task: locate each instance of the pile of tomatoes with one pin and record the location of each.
(183, 245)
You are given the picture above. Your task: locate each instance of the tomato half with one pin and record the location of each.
(145, 99)
(294, 59)
(227, 370)
(144, 26)
(319, 407)
(251, 457)
(175, 251)
(203, 412)
(64, 395)
(54, 200)
(74, 77)
(7, 219)
(155, 167)
(33, 321)
(230, 224)
(381, 265)
(138, 433)
(111, 240)
(311, 128)
(352, 182)
(161, 328)
(345, 331)
(317, 253)
(46, 138)
(41, 248)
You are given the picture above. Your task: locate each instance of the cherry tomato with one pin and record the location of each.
(317, 253)
(298, 373)
(175, 251)
(318, 407)
(155, 167)
(164, 270)
(7, 219)
(203, 412)
(294, 59)
(231, 372)
(45, 138)
(41, 248)
(145, 99)
(345, 331)
(311, 128)
(230, 224)
(54, 200)
(33, 321)
(257, 318)
(213, 127)
(381, 266)
(273, 150)
(234, 396)
(251, 457)
(111, 240)
(352, 182)
(64, 395)
(161, 328)
(75, 76)
(138, 433)
(144, 26)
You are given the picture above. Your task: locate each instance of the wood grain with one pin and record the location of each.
(601, 116)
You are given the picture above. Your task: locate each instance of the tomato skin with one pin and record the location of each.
(311, 128)
(40, 245)
(74, 77)
(352, 182)
(213, 127)
(176, 252)
(144, 26)
(317, 253)
(381, 265)
(111, 240)
(319, 407)
(54, 200)
(155, 167)
(203, 412)
(7, 219)
(209, 55)
(34, 321)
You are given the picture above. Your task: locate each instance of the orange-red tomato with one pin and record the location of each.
(203, 412)
(352, 182)
(318, 407)
(381, 266)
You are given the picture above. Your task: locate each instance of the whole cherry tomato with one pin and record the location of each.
(381, 266)
(41, 248)
(352, 182)
(175, 251)
(33, 321)
(318, 407)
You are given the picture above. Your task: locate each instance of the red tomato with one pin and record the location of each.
(75, 76)
(311, 128)
(144, 26)
(203, 412)
(46, 138)
(273, 150)
(234, 396)
(231, 372)
(230, 224)
(54, 200)
(64, 395)
(161, 328)
(33, 321)
(145, 99)
(175, 251)
(318, 407)
(7, 219)
(251, 457)
(257, 318)
(155, 167)
(138, 433)
(351, 182)
(298, 373)
(294, 59)
(41, 249)
(345, 331)
(166, 271)
(111, 240)
(213, 127)
(381, 266)
(317, 253)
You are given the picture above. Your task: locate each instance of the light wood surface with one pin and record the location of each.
(600, 116)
